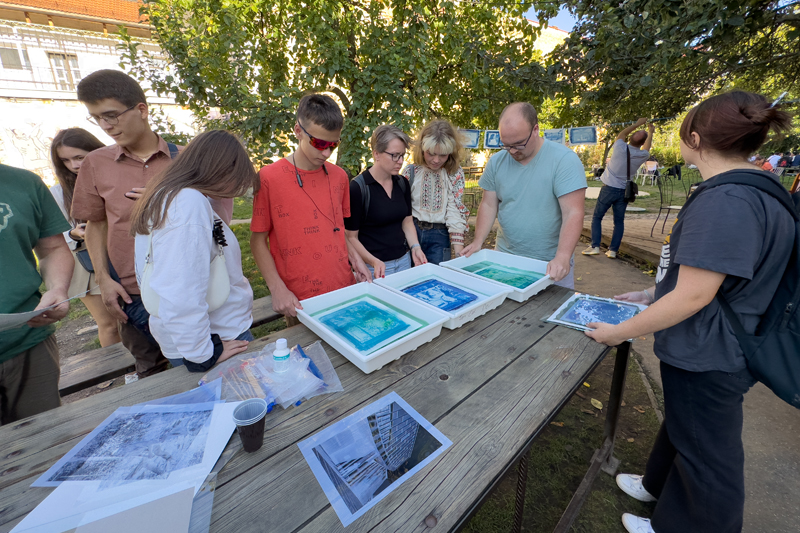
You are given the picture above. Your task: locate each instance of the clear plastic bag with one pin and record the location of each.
(310, 374)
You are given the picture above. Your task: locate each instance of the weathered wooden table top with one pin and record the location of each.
(489, 386)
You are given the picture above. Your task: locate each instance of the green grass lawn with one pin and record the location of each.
(242, 208)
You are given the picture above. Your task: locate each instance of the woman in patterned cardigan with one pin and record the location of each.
(437, 189)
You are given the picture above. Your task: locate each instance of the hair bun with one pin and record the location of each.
(762, 114)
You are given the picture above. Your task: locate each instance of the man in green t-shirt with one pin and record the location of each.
(536, 189)
(30, 221)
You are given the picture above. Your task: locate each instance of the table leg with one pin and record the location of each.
(604, 457)
(522, 487)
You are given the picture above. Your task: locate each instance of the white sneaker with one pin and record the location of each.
(591, 251)
(612, 254)
(632, 486)
(634, 524)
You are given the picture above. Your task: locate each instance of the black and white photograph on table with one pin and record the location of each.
(361, 459)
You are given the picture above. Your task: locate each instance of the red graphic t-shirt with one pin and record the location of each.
(309, 252)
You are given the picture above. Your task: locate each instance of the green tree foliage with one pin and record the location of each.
(655, 58)
(400, 62)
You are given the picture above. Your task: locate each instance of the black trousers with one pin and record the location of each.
(696, 467)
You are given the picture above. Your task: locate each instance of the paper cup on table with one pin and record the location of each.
(249, 417)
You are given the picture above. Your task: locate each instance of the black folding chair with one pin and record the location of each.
(665, 191)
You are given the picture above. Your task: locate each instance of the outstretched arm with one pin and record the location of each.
(649, 142)
(623, 135)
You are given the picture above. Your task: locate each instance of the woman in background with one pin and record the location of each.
(67, 151)
(437, 190)
(188, 261)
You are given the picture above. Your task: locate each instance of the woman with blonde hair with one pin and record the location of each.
(188, 261)
(69, 148)
(437, 190)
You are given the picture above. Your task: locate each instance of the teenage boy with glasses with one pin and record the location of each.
(536, 190)
(109, 181)
(298, 239)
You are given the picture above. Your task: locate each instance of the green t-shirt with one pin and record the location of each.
(529, 212)
(28, 212)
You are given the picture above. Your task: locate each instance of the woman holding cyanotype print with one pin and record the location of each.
(380, 227)
(735, 240)
(437, 190)
(69, 148)
(188, 261)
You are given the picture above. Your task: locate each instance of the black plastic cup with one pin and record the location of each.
(250, 419)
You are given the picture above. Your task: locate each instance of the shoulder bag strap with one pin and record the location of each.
(628, 153)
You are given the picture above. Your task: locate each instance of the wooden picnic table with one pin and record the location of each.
(490, 386)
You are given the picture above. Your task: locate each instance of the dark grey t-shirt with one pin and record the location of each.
(734, 230)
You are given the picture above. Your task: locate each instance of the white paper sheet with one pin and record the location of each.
(80, 504)
(353, 470)
(117, 451)
(17, 320)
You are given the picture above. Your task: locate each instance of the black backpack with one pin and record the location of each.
(773, 352)
(365, 190)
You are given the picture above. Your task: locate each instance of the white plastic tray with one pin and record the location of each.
(509, 260)
(490, 295)
(369, 362)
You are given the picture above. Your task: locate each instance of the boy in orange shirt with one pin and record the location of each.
(298, 237)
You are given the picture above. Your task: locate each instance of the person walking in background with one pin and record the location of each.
(626, 159)
(30, 222)
(67, 153)
(188, 261)
(437, 190)
(734, 240)
(536, 189)
(380, 226)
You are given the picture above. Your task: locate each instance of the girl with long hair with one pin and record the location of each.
(437, 191)
(67, 152)
(735, 240)
(188, 261)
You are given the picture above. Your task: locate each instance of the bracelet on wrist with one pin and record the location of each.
(649, 296)
(414, 246)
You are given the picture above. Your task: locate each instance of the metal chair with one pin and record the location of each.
(665, 190)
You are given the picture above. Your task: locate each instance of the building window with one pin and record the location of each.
(11, 58)
(65, 70)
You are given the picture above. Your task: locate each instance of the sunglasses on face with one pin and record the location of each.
(319, 144)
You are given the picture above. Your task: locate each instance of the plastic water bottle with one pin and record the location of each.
(280, 357)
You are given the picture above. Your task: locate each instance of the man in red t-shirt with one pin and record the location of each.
(298, 237)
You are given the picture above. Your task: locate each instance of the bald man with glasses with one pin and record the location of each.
(536, 189)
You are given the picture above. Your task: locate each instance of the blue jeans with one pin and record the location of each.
(395, 265)
(435, 244)
(246, 336)
(614, 198)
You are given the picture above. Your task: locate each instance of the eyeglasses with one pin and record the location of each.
(517, 147)
(112, 119)
(319, 144)
(396, 157)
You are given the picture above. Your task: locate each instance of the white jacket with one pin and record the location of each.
(182, 253)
